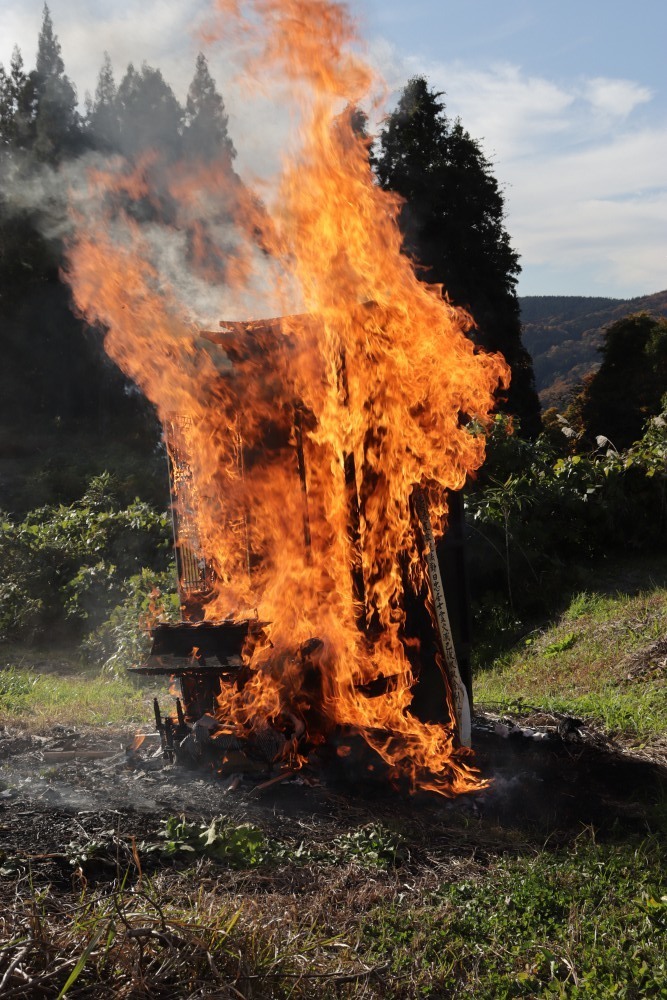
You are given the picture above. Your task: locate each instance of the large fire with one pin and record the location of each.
(373, 375)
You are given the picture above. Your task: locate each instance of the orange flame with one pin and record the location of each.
(379, 366)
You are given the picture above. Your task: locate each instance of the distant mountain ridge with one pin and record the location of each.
(563, 333)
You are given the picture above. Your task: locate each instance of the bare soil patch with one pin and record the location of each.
(63, 792)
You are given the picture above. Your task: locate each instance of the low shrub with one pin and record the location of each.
(64, 566)
(536, 516)
(122, 640)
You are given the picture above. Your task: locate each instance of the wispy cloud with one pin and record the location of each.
(161, 32)
(581, 164)
(615, 98)
(581, 160)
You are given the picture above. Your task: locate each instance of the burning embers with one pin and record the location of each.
(311, 455)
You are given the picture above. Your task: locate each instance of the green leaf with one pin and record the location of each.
(567, 642)
(78, 968)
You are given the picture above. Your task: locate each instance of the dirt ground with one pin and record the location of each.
(548, 782)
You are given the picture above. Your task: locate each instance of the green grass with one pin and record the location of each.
(589, 921)
(602, 659)
(84, 697)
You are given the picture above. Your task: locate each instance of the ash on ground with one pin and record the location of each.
(549, 776)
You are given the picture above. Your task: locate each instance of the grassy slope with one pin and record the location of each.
(604, 658)
(41, 689)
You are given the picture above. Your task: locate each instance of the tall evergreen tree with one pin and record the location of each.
(6, 108)
(103, 122)
(453, 225)
(57, 131)
(49, 56)
(149, 115)
(630, 384)
(17, 104)
(205, 135)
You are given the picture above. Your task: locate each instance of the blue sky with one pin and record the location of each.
(560, 39)
(568, 98)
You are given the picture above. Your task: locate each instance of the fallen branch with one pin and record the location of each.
(60, 756)
(13, 966)
(258, 789)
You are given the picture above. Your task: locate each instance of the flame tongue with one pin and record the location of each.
(338, 414)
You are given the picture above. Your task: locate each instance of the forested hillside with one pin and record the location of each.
(564, 334)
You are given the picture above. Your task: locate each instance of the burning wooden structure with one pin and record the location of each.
(205, 658)
(311, 454)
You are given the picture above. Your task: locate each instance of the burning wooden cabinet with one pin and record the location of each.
(248, 672)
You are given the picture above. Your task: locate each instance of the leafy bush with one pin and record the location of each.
(122, 641)
(373, 846)
(65, 565)
(246, 846)
(20, 611)
(536, 514)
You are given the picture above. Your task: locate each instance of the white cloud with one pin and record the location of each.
(616, 98)
(583, 174)
(593, 214)
(512, 113)
(161, 32)
(581, 160)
